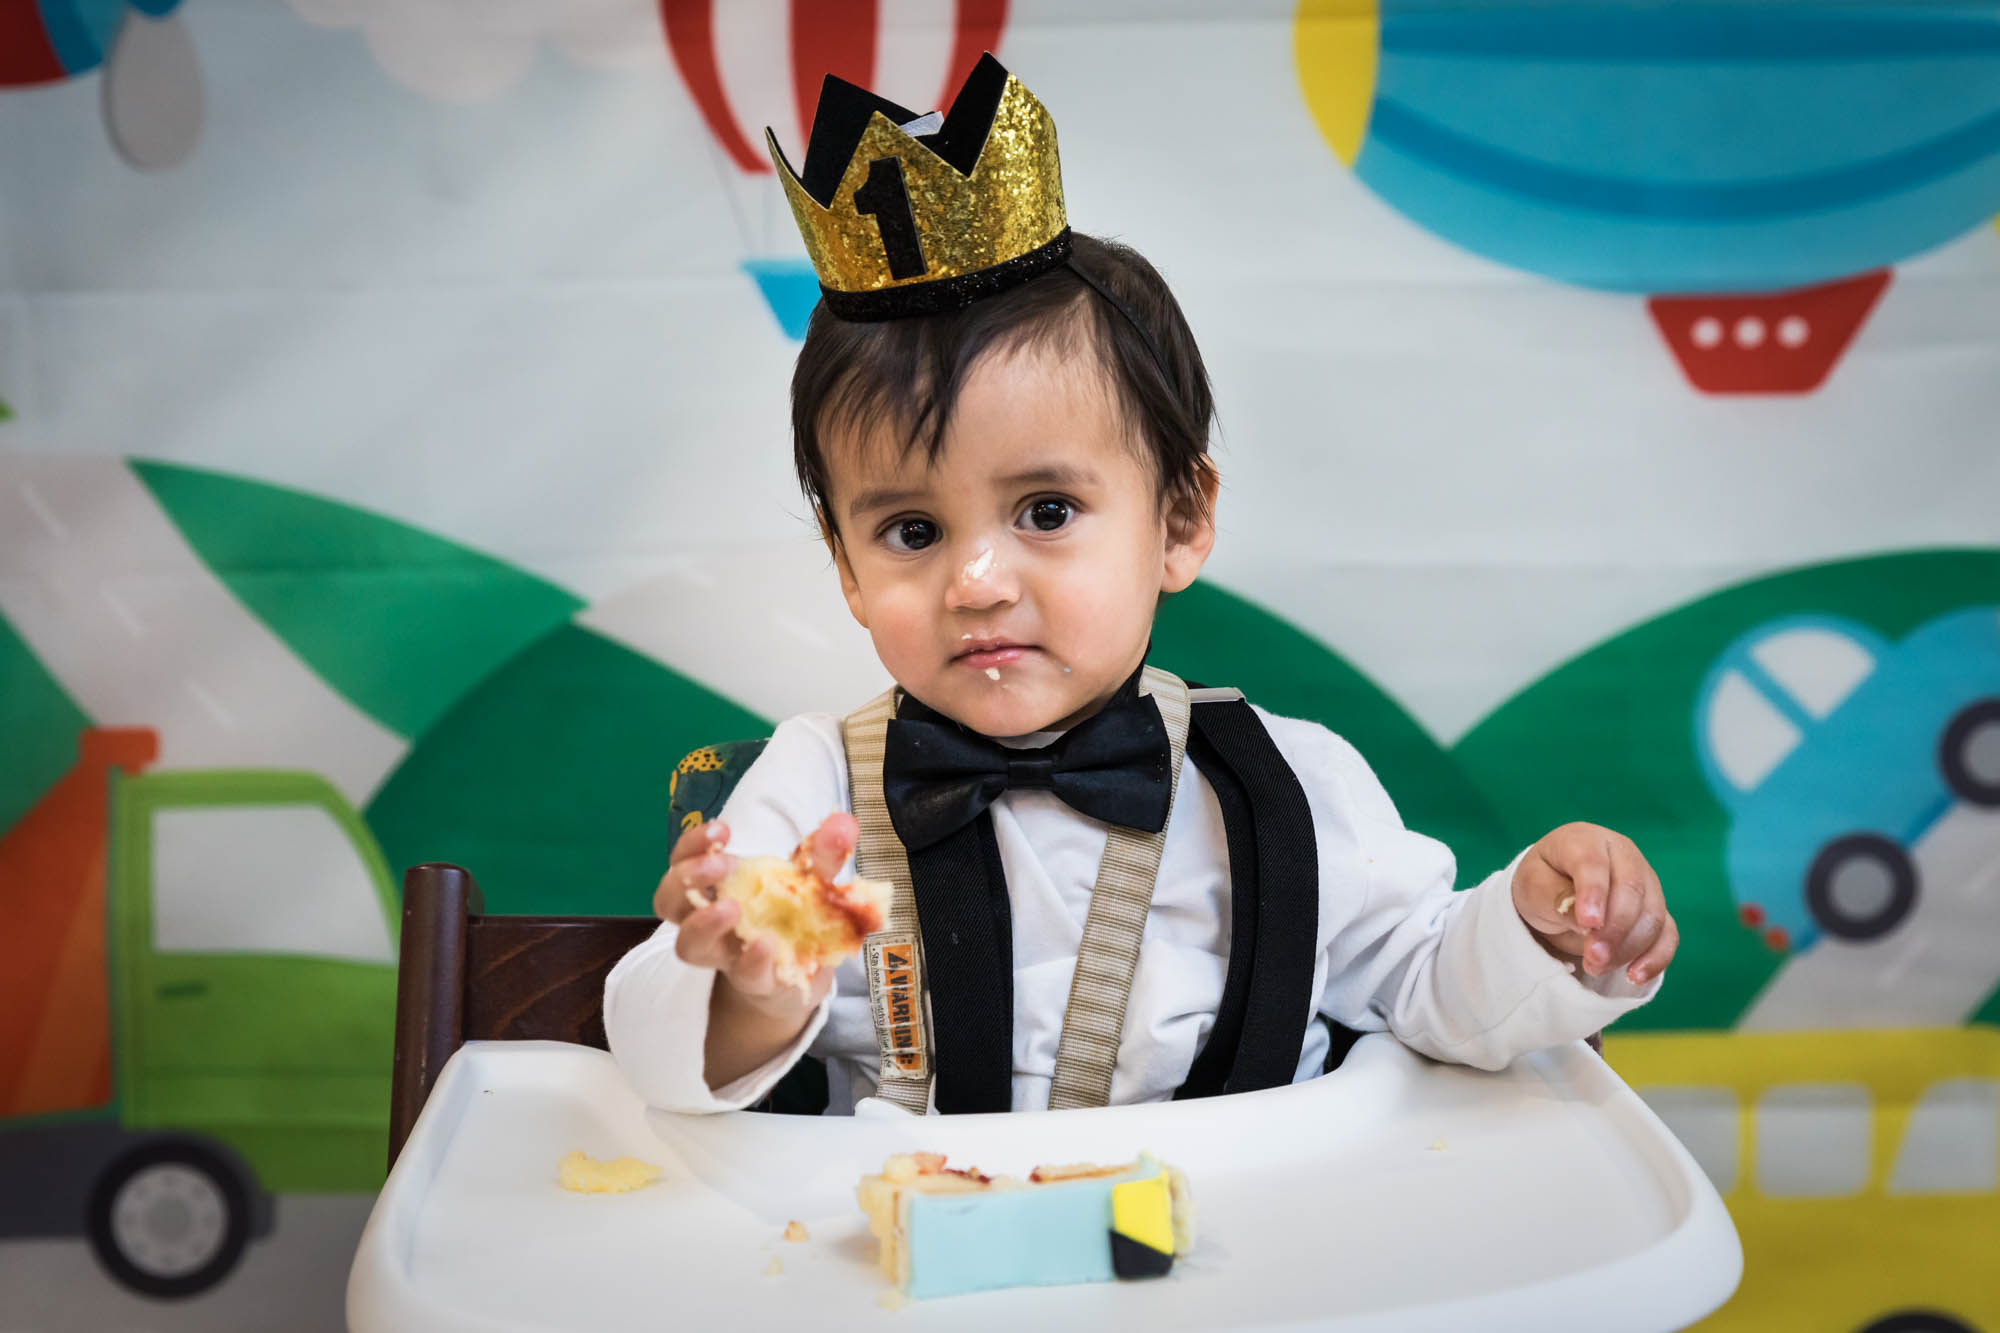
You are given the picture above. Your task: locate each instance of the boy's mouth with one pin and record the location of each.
(982, 654)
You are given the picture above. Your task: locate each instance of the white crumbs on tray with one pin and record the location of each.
(1437, 1145)
(775, 1268)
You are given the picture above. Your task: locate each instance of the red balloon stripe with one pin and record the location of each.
(827, 37)
(979, 25)
(831, 37)
(690, 26)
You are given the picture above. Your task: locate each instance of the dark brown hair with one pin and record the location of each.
(911, 370)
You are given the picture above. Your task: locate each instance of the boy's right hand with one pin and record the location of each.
(708, 933)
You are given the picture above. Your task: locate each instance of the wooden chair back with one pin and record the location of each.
(466, 976)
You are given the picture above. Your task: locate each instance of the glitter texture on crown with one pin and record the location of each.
(899, 225)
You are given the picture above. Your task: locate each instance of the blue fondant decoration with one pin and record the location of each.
(1032, 1236)
(1009, 1238)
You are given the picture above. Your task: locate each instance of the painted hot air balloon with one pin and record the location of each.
(752, 63)
(152, 85)
(1753, 168)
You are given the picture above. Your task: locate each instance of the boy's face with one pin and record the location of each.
(1011, 584)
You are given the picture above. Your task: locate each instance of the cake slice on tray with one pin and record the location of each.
(945, 1231)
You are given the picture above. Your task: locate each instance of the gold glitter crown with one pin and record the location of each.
(910, 216)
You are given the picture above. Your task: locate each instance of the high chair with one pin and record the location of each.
(466, 976)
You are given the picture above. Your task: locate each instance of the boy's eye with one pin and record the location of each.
(910, 534)
(1048, 515)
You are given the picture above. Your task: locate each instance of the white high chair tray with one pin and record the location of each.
(1393, 1194)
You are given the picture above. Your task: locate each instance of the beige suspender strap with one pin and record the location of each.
(893, 955)
(1109, 952)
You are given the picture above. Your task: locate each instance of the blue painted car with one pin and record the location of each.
(1836, 751)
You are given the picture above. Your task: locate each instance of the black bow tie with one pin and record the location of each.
(937, 777)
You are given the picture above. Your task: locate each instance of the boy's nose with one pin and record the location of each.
(981, 579)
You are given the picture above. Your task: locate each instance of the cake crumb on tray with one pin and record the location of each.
(583, 1174)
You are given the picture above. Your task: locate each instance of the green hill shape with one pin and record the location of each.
(1609, 737)
(39, 723)
(549, 779)
(1209, 635)
(400, 622)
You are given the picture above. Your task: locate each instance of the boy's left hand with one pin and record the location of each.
(1588, 894)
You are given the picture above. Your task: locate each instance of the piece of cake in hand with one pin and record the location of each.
(812, 922)
(945, 1231)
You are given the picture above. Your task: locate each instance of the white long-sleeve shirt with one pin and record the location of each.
(1456, 976)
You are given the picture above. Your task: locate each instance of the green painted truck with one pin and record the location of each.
(196, 1011)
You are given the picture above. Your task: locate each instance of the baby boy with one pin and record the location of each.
(1112, 886)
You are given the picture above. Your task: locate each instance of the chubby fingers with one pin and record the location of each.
(754, 976)
(754, 970)
(832, 843)
(1545, 899)
(1592, 895)
(698, 865)
(1635, 912)
(1623, 910)
(1655, 959)
(1581, 854)
(1640, 935)
(701, 838)
(708, 937)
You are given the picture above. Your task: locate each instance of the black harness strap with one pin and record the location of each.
(968, 930)
(1217, 1057)
(1267, 996)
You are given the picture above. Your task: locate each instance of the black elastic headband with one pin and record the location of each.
(1145, 334)
(948, 294)
(942, 295)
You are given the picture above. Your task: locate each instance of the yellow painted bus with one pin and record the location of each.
(1862, 1170)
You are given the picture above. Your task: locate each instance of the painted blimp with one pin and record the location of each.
(1753, 167)
(748, 66)
(152, 84)
(1836, 752)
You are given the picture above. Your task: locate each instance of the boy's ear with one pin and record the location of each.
(850, 587)
(1191, 528)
